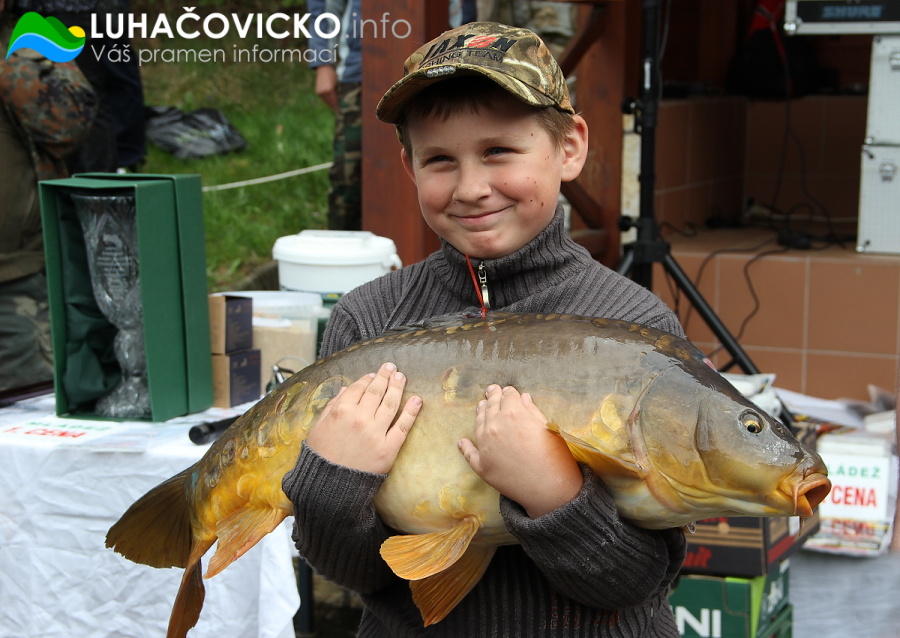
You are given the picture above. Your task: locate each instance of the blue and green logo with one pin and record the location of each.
(47, 36)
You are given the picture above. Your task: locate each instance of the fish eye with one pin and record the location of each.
(752, 422)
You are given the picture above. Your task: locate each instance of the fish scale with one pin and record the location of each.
(672, 440)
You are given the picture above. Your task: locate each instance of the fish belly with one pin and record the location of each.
(431, 486)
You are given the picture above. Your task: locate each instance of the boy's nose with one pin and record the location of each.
(472, 184)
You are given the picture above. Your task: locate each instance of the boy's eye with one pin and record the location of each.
(498, 150)
(436, 159)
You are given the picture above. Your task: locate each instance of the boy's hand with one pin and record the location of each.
(354, 429)
(517, 455)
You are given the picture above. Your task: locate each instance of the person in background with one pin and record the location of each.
(46, 112)
(554, 22)
(488, 135)
(338, 66)
(117, 141)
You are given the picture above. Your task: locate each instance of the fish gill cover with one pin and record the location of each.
(47, 36)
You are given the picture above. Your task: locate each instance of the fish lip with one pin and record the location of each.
(807, 493)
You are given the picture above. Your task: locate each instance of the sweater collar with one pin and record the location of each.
(546, 260)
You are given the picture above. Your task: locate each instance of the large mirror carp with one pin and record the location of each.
(673, 441)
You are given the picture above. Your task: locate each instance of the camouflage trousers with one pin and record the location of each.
(345, 195)
(25, 346)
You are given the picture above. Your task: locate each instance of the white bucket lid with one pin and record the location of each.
(334, 248)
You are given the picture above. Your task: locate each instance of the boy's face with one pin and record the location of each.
(488, 181)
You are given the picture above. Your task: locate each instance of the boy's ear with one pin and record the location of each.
(574, 149)
(405, 160)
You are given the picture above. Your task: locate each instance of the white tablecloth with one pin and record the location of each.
(58, 497)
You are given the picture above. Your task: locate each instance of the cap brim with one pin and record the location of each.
(391, 105)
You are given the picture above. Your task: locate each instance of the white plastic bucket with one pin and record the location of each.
(332, 262)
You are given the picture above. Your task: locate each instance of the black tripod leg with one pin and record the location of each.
(626, 262)
(715, 324)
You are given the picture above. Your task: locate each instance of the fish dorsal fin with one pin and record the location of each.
(417, 556)
(437, 595)
(241, 530)
(603, 464)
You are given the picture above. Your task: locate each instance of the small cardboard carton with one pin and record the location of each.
(236, 378)
(728, 606)
(745, 545)
(173, 295)
(230, 323)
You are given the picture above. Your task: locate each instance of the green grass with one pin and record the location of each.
(287, 127)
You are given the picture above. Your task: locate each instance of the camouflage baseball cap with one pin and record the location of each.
(516, 59)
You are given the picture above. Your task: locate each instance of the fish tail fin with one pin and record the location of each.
(417, 556)
(437, 595)
(241, 530)
(156, 529)
(191, 594)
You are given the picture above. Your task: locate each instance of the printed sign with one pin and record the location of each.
(860, 487)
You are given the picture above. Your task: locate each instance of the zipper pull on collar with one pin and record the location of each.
(481, 291)
(482, 280)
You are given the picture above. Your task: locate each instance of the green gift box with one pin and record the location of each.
(171, 266)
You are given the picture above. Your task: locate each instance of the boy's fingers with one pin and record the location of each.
(509, 393)
(374, 392)
(330, 404)
(355, 390)
(390, 401)
(493, 394)
(532, 408)
(397, 433)
(470, 453)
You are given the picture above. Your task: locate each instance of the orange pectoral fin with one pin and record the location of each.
(417, 556)
(605, 465)
(437, 595)
(240, 531)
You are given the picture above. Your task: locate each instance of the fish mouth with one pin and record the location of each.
(807, 493)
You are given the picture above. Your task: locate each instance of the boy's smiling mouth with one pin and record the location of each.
(479, 218)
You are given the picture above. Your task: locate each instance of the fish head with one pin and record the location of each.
(755, 456)
(715, 452)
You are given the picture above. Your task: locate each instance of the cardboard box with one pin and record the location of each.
(230, 323)
(286, 343)
(236, 378)
(745, 545)
(858, 514)
(749, 546)
(781, 627)
(172, 269)
(730, 607)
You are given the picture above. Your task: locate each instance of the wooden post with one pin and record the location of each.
(391, 30)
(895, 540)
(608, 72)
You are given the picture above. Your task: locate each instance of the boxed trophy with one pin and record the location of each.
(126, 281)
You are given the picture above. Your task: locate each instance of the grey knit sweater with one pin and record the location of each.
(579, 570)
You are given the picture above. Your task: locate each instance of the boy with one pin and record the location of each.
(488, 135)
